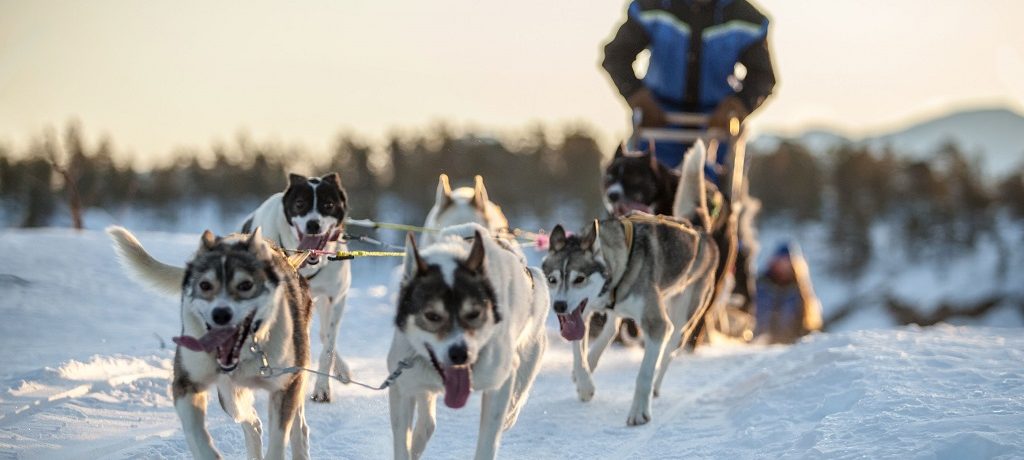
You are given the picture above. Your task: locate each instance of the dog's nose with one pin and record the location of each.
(458, 354)
(313, 227)
(560, 306)
(221, 315)
(614, 196)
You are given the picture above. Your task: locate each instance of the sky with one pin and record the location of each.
(157, 75)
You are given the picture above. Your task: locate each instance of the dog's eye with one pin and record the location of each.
(432, 317)
(328, 205)
(552, 280)
(244, 286)
(579, 279)
(299, 204)
(471, 316)
(205, 285)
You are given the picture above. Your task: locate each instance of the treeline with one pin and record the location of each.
(937, 207)
(532, 176)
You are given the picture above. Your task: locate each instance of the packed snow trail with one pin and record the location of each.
(85, 364)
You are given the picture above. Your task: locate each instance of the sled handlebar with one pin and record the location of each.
(695, 127)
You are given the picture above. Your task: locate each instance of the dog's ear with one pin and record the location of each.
(475, 261)
(255, 238)
(208, 239)
(296, 179)
(589, 240)
(444, 191)
(414, 265)
(557, 240)
(332, 178)
(257, 245)
(479, 193)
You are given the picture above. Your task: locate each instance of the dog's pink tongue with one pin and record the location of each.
(457, 386)
(571, 325)
(313, 242)
(208, 342)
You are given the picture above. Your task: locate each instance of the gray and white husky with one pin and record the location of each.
(235, 291)
(310, 214)
(654, 270)
(470, 318)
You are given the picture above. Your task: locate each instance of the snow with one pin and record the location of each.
(924, 282)
(84, 373)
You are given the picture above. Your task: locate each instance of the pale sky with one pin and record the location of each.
(160, 74)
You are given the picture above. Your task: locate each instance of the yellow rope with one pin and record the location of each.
(354, 254)
(296, 260)
(299, 257)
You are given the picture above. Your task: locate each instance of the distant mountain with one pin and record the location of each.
(994, 136)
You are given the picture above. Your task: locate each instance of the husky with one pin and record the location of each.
(235, 292)
(637, 181)
(658, 271)
(732, 312)
(310, 214)
(471, 318)
(463, 205)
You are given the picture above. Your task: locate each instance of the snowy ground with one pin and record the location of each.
(84, 374)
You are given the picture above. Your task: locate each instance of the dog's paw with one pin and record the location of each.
(322, 392)
(638, 416)
(341, 369)
(585, 385)
(585, 388)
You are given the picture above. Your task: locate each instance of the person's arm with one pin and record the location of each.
(621, 51)
(760, 78)
(619, 54)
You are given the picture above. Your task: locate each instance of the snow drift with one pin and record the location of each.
(86, 363)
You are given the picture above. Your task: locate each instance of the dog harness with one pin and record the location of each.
(628, 231)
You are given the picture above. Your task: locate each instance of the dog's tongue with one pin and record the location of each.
(571, 325)
(457, 385)
(313, 242)
(208, 342)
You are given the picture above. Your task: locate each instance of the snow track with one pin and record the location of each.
(81, 376)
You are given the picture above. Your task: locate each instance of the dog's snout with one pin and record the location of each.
(458, 353)
(221, 315)
(614, 196)
(560, 306)
(313, 227)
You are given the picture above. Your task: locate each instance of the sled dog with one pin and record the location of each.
(310, 214)
(471, 318)
(236, 291)
(655, 270)
(637, 181)
(461, 206)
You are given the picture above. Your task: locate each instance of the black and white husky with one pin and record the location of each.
(470, 318)
(654, 270)
(236, 291)
(310, 214)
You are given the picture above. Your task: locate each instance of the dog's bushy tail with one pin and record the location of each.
(157, 275)
(691, 195)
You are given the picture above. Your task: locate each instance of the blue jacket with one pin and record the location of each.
(695, 46)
